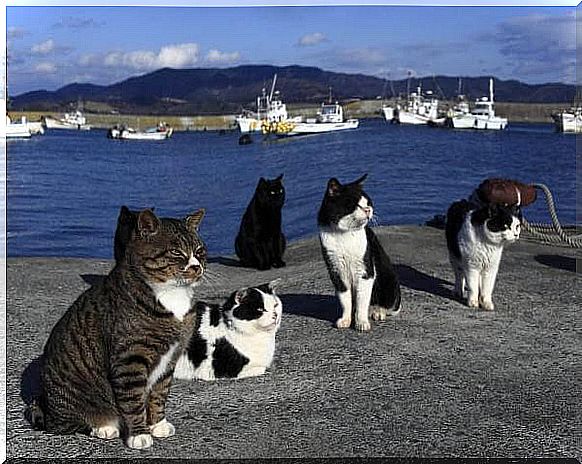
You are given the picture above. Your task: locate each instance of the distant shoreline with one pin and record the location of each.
(515, 112)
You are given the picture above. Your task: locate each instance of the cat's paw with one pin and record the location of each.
(363, 326)
(141, 441)
(278, 264)
(486, 304)
(343, 323)
(106, 432)
(377, 313)
(162, 429)
(473, 303)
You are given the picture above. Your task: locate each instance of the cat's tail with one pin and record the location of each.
(34, 414)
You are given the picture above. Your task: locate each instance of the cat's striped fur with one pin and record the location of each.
(108, 363)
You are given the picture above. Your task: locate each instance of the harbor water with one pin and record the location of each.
(65, 188)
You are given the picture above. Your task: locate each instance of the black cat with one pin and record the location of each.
(260, 243)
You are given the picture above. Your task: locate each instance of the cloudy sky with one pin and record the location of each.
(49, 47)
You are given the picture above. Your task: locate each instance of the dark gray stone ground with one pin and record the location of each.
(440, 379)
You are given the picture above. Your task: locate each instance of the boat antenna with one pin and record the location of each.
(330, 95)
(438, 87)
(273, 88)
(408, 83)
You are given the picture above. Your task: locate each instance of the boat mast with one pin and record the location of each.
(491, 90)
(273, 88)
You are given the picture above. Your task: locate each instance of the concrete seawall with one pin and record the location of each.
(439, 379)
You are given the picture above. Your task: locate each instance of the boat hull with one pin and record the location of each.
(306, 128)
(406, 117)
(388, 113)
(476, 122)
(131, 135)
(17, 131)
(247, 125)
(51, 123)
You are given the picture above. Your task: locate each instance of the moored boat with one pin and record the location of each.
(481, 117)
(73, 121)
(330, 118)
(419, 109)
(161, 132)
(568, 120)
(270, 109)
(17, 129)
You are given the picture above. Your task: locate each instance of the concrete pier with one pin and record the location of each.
(440, 379)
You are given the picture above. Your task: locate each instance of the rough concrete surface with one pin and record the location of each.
(439, 379)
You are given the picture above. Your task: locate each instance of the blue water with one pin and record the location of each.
(65, 188)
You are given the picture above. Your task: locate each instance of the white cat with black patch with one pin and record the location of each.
(363, 277)
(476, 236)
(235, 340)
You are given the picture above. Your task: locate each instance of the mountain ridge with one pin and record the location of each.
(228, 90)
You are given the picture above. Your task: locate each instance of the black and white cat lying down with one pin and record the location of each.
(235, 340)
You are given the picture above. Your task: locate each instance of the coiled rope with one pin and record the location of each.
(552, 233)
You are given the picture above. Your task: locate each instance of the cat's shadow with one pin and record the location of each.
(30, 381)
(565, 263)
(417, 280)
(323, 307)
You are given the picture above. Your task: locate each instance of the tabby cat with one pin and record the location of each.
(260, 243)
(108, 363)
(476, 236)
(358, 266)
(234, 340)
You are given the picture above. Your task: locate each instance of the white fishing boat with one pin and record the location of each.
(330, 118)
(17, 129)
(569, 120)
(481, 117)
(74, 121)
(420, 109)
(161, 132)
(270, 109)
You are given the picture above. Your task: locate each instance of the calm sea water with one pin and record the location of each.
(65, 188)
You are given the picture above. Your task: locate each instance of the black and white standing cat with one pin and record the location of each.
(476, 236)
(108, 363)
(365, 282)
(234, 340)
(260, 242)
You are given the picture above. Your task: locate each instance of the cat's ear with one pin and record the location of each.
(361, 180)
(279, 179)
(193, 221)
(262, 181)
(147, 223)
(124, 214)
(333, 186)
(240, 295)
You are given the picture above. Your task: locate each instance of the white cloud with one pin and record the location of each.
(216, 56)
(43, 48)
(46, 68)
(170, 56)
(309, 40)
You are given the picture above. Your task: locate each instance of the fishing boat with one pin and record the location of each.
(420, 109)
(330, 118)
(161, 132)
(481, 117)
(17, 129)
(270, 109)
(569, 120)
(74, 121)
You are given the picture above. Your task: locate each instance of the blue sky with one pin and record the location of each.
(49, 47)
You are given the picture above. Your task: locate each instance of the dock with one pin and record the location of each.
(438, 380)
